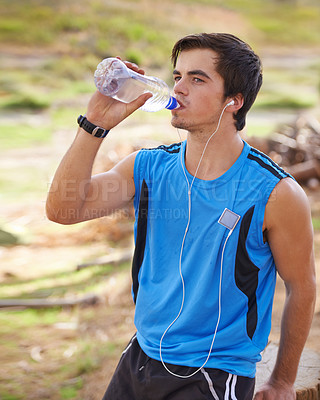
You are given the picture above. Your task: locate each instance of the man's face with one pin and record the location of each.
(199, 90)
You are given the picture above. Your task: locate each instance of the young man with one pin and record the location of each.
(215, 220)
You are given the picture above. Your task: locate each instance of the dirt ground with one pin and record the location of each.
(114, 319)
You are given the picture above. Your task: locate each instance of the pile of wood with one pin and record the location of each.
(296, 148)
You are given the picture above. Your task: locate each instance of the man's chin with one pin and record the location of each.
(178, 124)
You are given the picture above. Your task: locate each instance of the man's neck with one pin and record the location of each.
(221, 153)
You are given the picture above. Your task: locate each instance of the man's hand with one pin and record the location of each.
(274, 391)
(107, 112)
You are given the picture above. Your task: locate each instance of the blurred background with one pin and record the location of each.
(65, 306)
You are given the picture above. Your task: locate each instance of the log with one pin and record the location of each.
(304, 171)
(117, 257)
(87, 300)
(312, 123)
(280, 139)
(307, 384)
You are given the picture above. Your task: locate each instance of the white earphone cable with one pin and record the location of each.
(180, 258)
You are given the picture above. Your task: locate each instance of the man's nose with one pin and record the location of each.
(180, 87)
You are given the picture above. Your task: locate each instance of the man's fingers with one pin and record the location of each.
(138, 102)
(133, 66)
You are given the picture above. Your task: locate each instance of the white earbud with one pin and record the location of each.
(231, 103)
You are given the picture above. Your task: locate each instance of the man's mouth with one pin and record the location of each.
(181, 105)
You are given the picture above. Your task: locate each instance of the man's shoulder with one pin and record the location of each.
(287, 203)
(288, 191)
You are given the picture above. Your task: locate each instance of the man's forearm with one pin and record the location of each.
(71, 182)
(295, 326)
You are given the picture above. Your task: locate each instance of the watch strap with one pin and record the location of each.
(94, 130)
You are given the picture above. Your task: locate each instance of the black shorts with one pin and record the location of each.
(139, 377)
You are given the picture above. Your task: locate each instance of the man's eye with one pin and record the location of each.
(176, 78)
(197, 80)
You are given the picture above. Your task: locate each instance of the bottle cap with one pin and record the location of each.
(172, 103)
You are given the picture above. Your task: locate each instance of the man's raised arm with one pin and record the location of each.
(75, 195)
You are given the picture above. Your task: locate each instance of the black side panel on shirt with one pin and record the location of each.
(246, 273)
(140, 238)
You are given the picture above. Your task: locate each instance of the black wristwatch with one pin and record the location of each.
(94, 130)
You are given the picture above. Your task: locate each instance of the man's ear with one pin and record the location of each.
(235, 102)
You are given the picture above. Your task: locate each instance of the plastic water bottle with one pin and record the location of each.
(114, 79)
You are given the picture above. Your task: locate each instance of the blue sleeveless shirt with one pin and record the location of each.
(248, 270)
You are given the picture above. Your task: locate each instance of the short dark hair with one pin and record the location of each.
(238, 65)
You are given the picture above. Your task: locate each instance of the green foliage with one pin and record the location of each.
(289, 87)
(134, 55)
(105, 28)
(25, 319)
(22, 135)
(8, 238)
(101, 29)
(288, 25)
(63, 23)
(70, 391)
(17, 20)
(316, 223)
(85, 34)
(8, 396)
(260, 129)
(26, 101)
(285, 101)
(58, 284)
